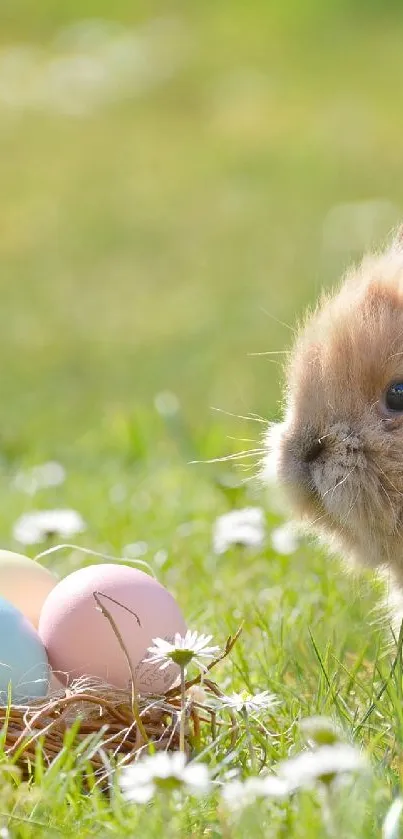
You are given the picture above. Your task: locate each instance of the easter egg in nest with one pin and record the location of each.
(25, 583)
(24, 669)
(82, 641)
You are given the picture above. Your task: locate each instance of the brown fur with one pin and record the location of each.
(346, 354)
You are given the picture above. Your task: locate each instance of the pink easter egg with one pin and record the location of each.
(80, 640)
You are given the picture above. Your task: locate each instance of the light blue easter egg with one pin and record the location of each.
(23, 660)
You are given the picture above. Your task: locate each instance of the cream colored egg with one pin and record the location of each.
(25, 583)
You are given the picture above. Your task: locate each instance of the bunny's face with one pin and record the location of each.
(339, 451)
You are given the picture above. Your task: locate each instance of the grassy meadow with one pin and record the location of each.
(152, 241)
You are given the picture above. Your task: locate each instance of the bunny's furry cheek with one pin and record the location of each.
(337, 476)
(281, 466)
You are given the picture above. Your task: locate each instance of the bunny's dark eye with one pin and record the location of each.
(394, 397)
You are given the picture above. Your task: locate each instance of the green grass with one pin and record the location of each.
(152, 246)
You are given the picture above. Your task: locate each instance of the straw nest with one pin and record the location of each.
(113, 726)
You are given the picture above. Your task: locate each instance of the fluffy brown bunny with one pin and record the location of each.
(339, 451)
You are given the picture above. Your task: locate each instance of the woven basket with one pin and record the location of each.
(90, 708)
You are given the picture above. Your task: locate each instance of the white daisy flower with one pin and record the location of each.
(323, 764)
(50, 474)
(320, 731)
(285, 539)
(41, 525)
(182, 651)
(239, 527)
(246, 702)
(164, 771)
(240, 794)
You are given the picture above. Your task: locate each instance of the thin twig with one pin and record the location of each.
(183, 710)
(135, 704)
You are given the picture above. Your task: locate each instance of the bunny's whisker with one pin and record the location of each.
(248, 417)
(389, 481)
(339, 483)
(312, 522)
(224, 458)
(352, 505)
(269, 352)
(241, 439)
(384, 490)
(277, 320)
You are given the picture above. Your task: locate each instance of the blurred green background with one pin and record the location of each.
(177, 182)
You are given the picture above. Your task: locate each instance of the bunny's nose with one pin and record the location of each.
(313, 451)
